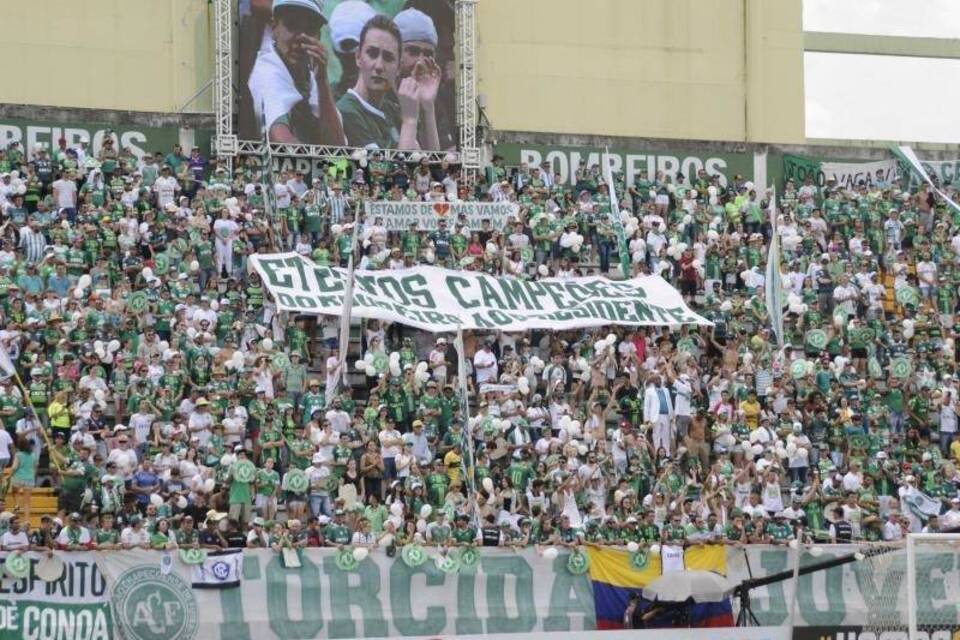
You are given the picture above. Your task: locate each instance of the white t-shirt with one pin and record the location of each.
(225, 229)
(389, 451)
(5, 442)
(166, 189)
(64, 537)
(485, 364)
(13, 541)
(134, 537)
(66, 191)
(273, 90)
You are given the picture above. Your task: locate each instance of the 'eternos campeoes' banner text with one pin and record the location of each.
(398, 216)
(437, 299)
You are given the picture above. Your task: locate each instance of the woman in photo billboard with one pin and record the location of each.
(385, 107)
(288, 84)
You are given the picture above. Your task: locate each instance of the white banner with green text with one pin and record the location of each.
(398, 216)
(131, 595)
(439, 300)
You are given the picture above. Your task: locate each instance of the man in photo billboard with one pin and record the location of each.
(288, 83)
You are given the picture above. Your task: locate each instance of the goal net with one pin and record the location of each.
(912, 591)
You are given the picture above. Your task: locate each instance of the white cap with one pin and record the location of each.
(346, 23)
(416, 26)
(312, 5)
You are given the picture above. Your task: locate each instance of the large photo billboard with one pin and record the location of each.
(348, 73)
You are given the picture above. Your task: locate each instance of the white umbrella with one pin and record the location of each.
(679, 586)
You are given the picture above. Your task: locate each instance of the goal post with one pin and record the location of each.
(932, 612)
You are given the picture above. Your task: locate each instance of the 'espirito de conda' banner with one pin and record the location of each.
(439, 300)
(128, 594)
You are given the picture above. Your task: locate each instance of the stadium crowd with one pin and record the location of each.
(171, 405)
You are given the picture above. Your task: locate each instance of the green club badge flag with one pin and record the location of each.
(296, 480)
(193, 556)
(17, 565)
(447, 563)
(858, 441)
(578, 562)
(817, 338)
(900, 368)
(244, 471)
(638, 559)
(873, 366)
(468, 557)
(907, 296)
(413, 555)
(137, 302)
(381, 362)
(280, 360)
(439, 300)
(345, 560)
(798, 368)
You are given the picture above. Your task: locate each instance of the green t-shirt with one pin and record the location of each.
(363, 123)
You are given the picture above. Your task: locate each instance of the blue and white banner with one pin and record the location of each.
(220, 570)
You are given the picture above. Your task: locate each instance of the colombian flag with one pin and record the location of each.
(615, 580)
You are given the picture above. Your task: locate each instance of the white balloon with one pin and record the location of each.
(371, 370)
(360, 554)
(816, 551)
(181, 503)
(632, 547)
(267, 344)
(425, 511)
(84, 281)
(194, 266)
(655, 549)
(550, 553)
(209, 485)
(488, 485)
(155, 499)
